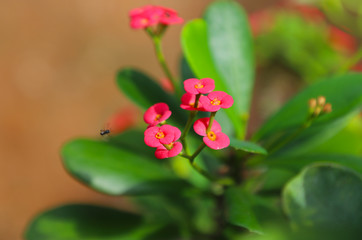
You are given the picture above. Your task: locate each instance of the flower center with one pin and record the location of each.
(160, 135)
(168, 146)
(199, 85)
(211, 135)
(158, 116)
(144, 21)
(215, 102)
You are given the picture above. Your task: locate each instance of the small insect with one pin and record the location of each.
(104, 132)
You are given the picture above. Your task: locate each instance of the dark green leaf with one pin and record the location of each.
(145, 92)
(240, 209)
(325, 197)
(247, 146)
(231, 48)
(115, 171)
(87, 222)
(296, 163)
(343, 92)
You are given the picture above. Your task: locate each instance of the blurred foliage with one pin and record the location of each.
(298, 177)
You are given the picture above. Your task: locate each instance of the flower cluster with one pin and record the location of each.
(194, 100)
(159, 135)
(149, 16)
(318, 106)
(165, 137)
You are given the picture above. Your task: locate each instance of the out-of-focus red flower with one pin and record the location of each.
(358, 68)
(149, 15)
(122, 120)
(167, 85)
(261, 21)
(341, 40)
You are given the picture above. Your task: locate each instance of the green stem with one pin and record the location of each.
(198, 150)
(292, 137)
(161, 59)
(212, 116)
(352, 62)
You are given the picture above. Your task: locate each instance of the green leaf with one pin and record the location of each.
(247, 146)
(240, 209)
(87, 222)
(296, 163)
(145, 92)
(343, 92)
(116, 171)
(231, 47)
(325, 198)
(220, 48)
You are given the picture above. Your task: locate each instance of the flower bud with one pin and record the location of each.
(317, 111)
(327, 108)
(321, 100)
(312, 103)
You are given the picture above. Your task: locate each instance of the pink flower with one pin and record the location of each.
(188, 102)
(216, 100)
(174, 149)
(157, 114)
(214, 139)
(149, 15)
(170, 17)
(157, 136)
(196, 86)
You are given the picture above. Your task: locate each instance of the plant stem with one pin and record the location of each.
(161, 59)
(212, 116)
(198, 150)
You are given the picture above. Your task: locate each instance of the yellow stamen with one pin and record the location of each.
(216, 102)
(158, 116)
(144, 21)
(160, 135)
(211, 135)
(199, 85)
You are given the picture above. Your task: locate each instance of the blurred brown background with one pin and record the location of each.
(57, 65)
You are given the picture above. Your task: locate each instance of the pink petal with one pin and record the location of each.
(206, 104)
(189, 85)
(221, 141)
(217, 94)
(150, 137)
(165, 116)
(227, 101)
(161, 153)
(201, 124)
(161, 107)
(157, 109)
(176, 149)
(188, 101)
(209, 85)
(169, 132)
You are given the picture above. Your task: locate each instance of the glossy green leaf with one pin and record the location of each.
(325, 197)
(87, 222)
(116, 171)
(145, 92)
(240, 209)
(296, 163)
(247, 146)
(195, 47)
(220, 47)
(343, 92)
(231, 48)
